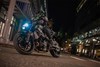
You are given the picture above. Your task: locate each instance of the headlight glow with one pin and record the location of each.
(23, 28)
(26, 25)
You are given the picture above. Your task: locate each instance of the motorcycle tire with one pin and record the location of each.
(18, 48)
(55, 51)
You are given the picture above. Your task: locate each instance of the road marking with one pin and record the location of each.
(78, 58)
(94, 61)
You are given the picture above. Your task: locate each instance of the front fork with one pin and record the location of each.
(28, 36)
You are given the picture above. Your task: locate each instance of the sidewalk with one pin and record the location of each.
(6, 44)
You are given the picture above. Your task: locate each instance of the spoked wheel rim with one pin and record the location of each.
(23, 45)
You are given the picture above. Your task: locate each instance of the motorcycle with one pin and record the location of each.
(33, 36)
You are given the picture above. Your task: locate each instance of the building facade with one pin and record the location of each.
(88, 13)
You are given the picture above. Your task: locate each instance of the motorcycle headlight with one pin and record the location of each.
(24, 26)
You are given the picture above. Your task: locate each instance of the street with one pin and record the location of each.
(9, 57)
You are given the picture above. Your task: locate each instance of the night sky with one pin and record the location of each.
(63, 13)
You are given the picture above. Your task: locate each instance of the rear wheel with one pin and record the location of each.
(55, 50)
(21, 45)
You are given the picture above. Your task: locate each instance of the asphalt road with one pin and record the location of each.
(10, 58)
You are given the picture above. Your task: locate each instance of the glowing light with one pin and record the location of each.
(94, 40)
(26, 25)
(23, 27)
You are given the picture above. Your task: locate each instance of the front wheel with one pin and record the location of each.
(55, 50)
(21, 45)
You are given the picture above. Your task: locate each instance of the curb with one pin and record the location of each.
(6, 45)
